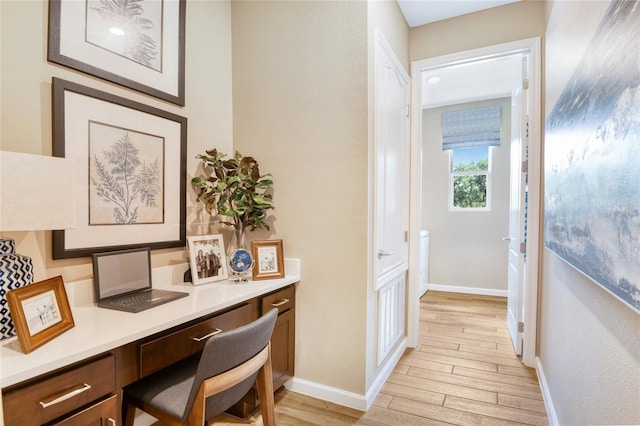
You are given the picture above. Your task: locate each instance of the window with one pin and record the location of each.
(468, 135)
(470, 178)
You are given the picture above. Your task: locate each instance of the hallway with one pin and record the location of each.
(464, 372)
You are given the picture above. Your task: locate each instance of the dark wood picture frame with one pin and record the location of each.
(75, 109)
(165, 79)
(269, 259)
(40, 312)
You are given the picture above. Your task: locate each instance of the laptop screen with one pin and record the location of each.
(120, 272)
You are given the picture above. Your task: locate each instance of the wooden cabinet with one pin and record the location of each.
(63, 394)
(103, 413)
(88, 392)
(284, 334)
(282, 346)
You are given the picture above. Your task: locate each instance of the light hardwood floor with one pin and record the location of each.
(464, 372)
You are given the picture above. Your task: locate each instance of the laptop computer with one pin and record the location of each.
(122, 281)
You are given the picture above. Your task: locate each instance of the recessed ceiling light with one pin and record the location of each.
(433, 80)
(116, 31)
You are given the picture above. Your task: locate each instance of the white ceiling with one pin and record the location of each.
(420, 12)
(474, 81)
(470, 82)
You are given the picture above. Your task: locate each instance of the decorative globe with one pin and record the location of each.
(240, 261)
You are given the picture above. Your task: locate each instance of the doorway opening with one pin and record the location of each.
(510, 72)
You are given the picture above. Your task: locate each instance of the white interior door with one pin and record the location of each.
(392, 164)
(517, 211)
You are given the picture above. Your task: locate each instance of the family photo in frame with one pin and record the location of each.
(207, 258)
(40, 312)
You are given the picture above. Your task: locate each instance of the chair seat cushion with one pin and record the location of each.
(167, 389)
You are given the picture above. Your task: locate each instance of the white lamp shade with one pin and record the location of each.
(36, 192)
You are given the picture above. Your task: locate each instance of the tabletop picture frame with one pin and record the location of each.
(207, 258)
(141, 47)
(130, 172)
(40, 312)
(269, 259)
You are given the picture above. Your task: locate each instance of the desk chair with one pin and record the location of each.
(200, 387)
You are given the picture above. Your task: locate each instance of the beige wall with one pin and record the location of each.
(25, 102)
(589, 342)
(300, 107)
(515, 21)
(465, 247)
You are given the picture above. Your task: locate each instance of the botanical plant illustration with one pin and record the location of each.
(125, 181)
(129, 17)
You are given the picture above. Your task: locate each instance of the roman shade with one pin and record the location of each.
(470, 128)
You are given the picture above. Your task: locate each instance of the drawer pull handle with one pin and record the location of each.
(66, 396)
(280, 303)
(111, 421)
(213, 333)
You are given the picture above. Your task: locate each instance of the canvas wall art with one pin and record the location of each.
(592, 159)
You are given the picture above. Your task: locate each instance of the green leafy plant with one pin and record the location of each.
(234, 189)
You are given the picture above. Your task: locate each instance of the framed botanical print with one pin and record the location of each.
(130, 171)
(137, 44)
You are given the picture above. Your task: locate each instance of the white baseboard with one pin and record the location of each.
(385, 372)
(468, 290)
(546, 394)
(328, 393)
(346, 398)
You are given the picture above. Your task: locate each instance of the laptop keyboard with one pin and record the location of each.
(138, 298)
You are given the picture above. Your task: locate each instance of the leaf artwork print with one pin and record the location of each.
(129, 28)
(126, 176)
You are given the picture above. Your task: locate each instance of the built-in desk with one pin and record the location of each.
(104, 340)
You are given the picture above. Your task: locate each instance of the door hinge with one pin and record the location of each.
(406, 111)
(525, 166)
(520, 327)
(525, 84)
(523, 248)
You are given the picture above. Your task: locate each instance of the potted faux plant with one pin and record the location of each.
(235, 190)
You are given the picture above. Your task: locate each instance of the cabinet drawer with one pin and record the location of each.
(163, 351)
(284, 300)
(103, 413)
(53, 397)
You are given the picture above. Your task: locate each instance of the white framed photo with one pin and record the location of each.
(207, 258)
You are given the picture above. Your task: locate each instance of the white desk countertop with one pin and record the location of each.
(99, 330)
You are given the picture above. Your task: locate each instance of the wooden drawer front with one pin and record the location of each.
(103, 413)
(284, 300)
(51, 398)
(163, 351)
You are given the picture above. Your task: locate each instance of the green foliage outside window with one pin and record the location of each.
(470, 190)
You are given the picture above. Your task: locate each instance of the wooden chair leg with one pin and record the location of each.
(265, 392)
(128, 413)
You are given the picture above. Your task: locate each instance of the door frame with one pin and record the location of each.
(532, 46)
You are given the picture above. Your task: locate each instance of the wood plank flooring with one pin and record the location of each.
(464, 372)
